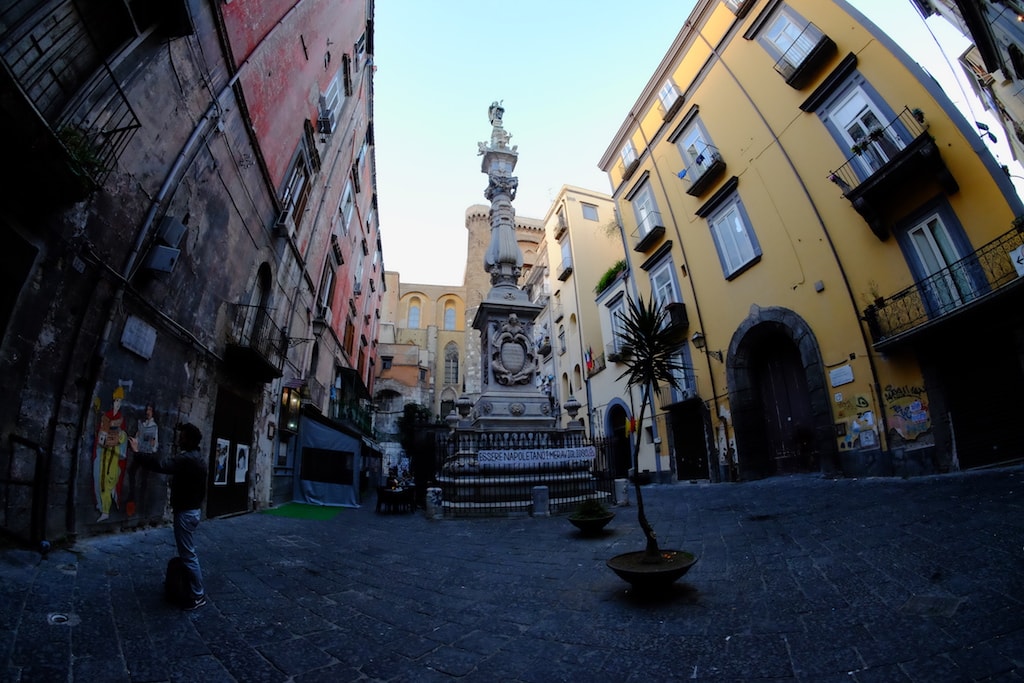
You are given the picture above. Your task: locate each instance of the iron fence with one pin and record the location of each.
(474, 485)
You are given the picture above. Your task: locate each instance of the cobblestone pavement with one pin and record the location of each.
(798, 579)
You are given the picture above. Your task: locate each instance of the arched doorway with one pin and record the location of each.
(620, 457)
(781, 415)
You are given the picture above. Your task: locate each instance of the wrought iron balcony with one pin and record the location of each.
(61, 69)
(886, 162)
(649, 232)
(805, 57)
(703, 170)
(256, 346)
(565, 269)
(617, 352)
(677, 315)
(352, 413)
(314, 394)
(994, 268)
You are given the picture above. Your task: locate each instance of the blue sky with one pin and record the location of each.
(567, 72)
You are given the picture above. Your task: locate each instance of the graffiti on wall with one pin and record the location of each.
(113, 460)
(907, 406)
(109, 456)
(855, 421)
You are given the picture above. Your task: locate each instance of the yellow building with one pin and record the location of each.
(840, 243)
(581, 242)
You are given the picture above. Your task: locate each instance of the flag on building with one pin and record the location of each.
(588, 356)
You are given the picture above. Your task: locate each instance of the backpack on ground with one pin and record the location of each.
(178, 583)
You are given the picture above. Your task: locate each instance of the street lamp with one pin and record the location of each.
(700, 343)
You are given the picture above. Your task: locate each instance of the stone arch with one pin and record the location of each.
(616, 417)
(448, 397)
(779, 400)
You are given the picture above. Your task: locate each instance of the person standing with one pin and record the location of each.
(188, 472)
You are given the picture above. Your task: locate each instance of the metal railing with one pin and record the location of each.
(649, 224)
(877, 149)
(315, 393)
(977, 276)
(702, 161)
(254, 329)
(565, 268)
(476, 488)
(61, 70)
(799, 51)
(353, 414)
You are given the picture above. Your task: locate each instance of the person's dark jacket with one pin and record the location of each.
(188, 477)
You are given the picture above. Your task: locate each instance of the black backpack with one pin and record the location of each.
(178, 583)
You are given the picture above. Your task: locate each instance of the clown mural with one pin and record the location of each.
(109, 457)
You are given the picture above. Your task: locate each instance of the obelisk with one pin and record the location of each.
(509, 399)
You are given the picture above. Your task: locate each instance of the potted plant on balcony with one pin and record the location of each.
(655, 342)
(609, 276)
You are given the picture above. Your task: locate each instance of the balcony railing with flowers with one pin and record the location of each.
(885, 162)
(60, 68)
(962, 285)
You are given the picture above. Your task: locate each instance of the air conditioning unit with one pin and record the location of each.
(162, 258)
(325, 124)
(170, 231)
(285, 225)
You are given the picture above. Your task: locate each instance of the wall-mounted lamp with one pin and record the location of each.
(291, 402)
(700, 343)
(319, 326)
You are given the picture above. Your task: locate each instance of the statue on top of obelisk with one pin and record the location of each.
(503, 259)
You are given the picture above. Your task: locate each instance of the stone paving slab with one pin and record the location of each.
(798, 579)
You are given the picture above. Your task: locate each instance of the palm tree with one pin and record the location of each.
(654, 360)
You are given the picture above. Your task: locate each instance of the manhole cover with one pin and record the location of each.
(62, 619)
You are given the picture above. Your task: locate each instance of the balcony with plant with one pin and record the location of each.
(990, 273)
(888, 160)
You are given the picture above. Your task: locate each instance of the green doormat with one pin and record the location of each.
(303, 511)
